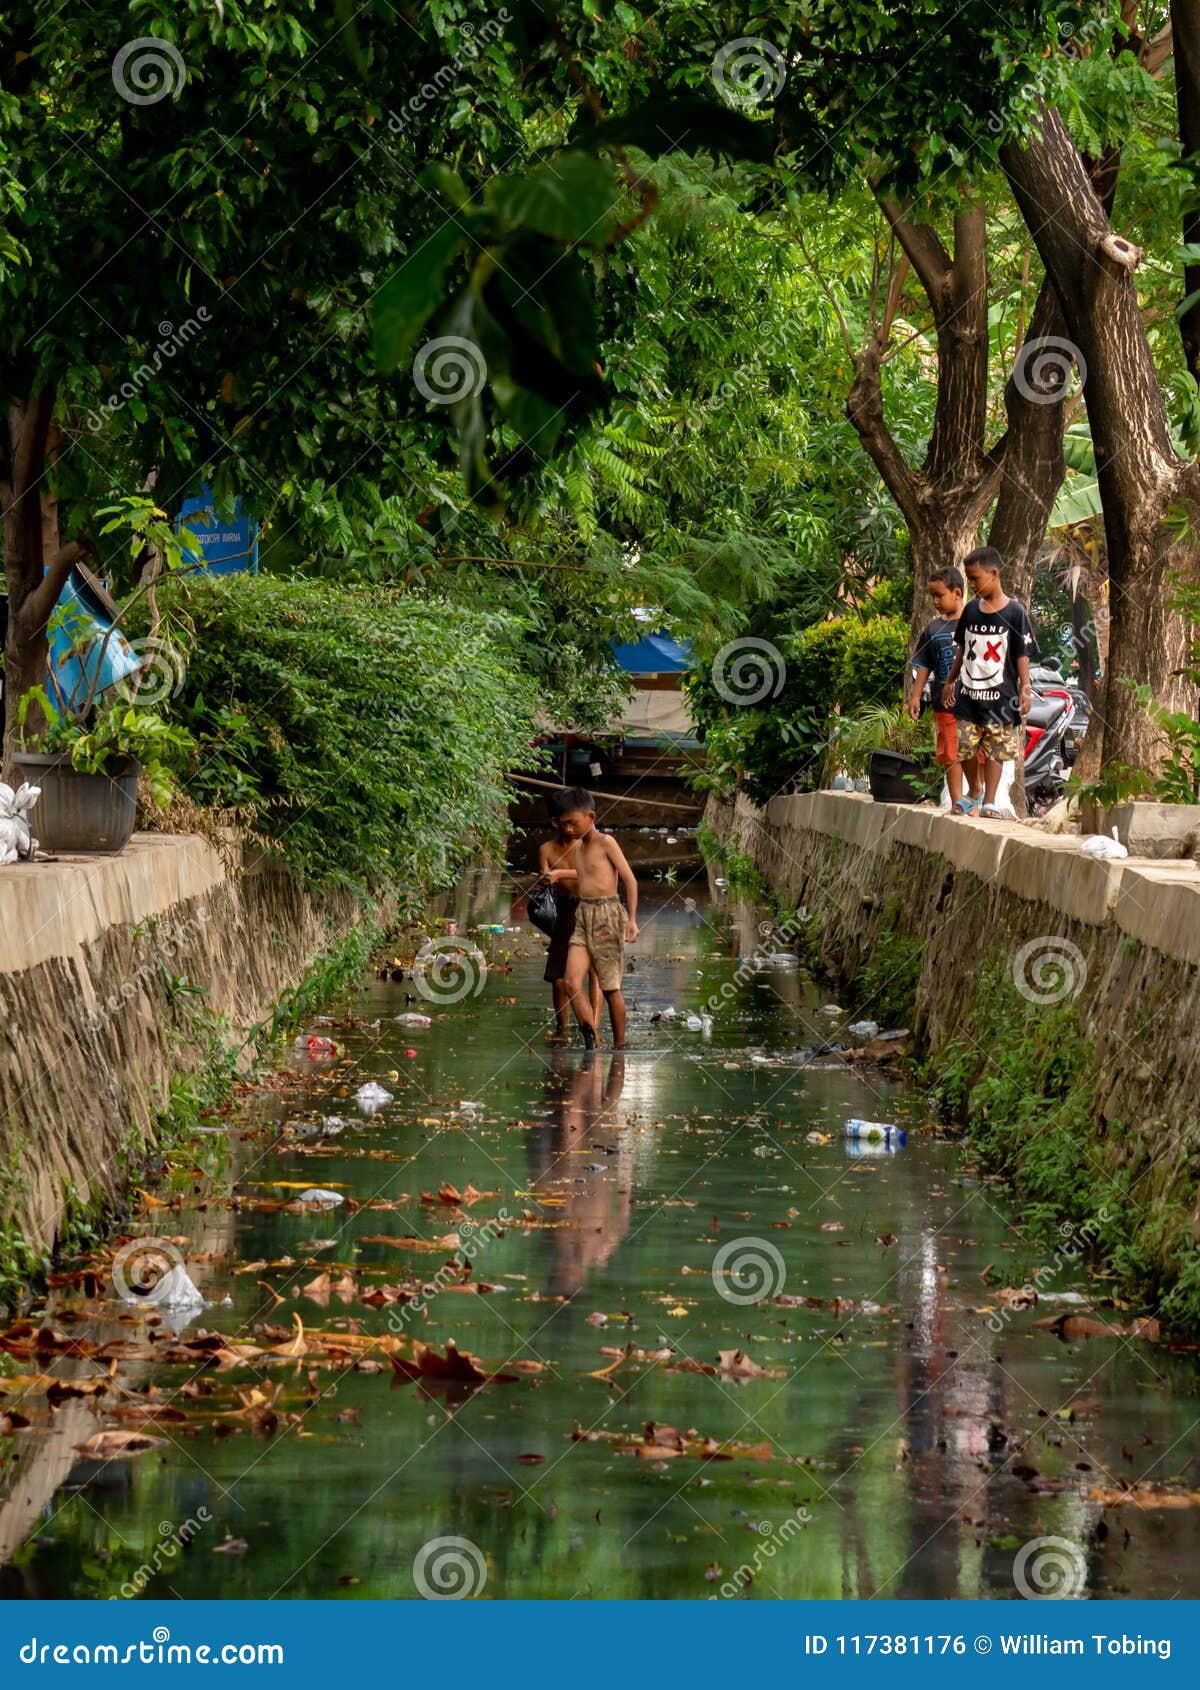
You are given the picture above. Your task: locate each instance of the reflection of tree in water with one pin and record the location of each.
(590, 1204)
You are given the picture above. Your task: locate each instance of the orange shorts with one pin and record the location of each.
(947, 736)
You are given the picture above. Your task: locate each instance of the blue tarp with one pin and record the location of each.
(657, 654)
(88, 654)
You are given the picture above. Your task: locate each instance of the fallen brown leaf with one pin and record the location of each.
(111, 1444)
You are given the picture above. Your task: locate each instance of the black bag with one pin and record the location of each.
(543, 908)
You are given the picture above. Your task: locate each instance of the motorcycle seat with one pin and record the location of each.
(1044, 711)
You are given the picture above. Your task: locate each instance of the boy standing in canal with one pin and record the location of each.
(602, 927)
(989, 687)
(559, 853)
(934, 656)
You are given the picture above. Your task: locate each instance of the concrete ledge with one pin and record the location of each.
(1161, 906)
(975, 847)
(55, 909)
(1055, 871)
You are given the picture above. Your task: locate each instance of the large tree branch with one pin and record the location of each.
(924, 251)
(864, 408)
(37, 608)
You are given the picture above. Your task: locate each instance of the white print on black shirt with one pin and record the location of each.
(984, 658)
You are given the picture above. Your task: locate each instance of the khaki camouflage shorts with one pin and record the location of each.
(1000, 742)
(600, 931)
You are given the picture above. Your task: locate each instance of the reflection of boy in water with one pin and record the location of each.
(558, 853)
(592, 1216)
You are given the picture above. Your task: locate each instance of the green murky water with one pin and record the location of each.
(897, 1445)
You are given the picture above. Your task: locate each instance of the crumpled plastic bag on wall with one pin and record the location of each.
(17, 843)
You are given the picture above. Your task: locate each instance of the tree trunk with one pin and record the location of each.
(945, 500)
(35, 565)
(1140, 476)
(1185, 33)
(1034, 467)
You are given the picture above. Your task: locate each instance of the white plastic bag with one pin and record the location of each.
(16, 839)
(1104, 849)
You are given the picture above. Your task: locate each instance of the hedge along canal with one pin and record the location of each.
(737, 1355)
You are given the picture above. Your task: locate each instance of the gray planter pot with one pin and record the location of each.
(81, 812)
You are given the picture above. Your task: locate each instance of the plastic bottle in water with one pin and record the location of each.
(877, 1132)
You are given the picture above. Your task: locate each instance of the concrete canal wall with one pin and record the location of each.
(1054, 999)
(118, 975)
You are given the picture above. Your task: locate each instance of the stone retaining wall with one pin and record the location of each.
(115, 972)
(949, 904)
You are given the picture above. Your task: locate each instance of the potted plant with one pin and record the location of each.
(88, 768)
(892, 750)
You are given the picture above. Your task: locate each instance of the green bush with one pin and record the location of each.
(362, 733)
(839, 666)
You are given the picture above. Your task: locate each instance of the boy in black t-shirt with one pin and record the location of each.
(934, 655)
(989, 687)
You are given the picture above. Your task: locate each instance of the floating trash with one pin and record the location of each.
(371, 1097)
(863, 1029)
(315, 1046)
(411, 1018)
(316, 1198)
(876, 1132)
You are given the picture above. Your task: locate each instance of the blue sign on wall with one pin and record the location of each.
(226, 544)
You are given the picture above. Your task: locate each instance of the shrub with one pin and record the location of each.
(841, 666)
(362, 733)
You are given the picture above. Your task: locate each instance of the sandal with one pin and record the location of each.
(990, 813)
(967, 806)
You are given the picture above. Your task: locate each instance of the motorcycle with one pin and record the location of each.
(1051, 737)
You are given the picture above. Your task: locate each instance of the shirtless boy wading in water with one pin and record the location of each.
(601, 924)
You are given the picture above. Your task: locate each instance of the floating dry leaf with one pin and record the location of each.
(455, 1367)
(111, 1444)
